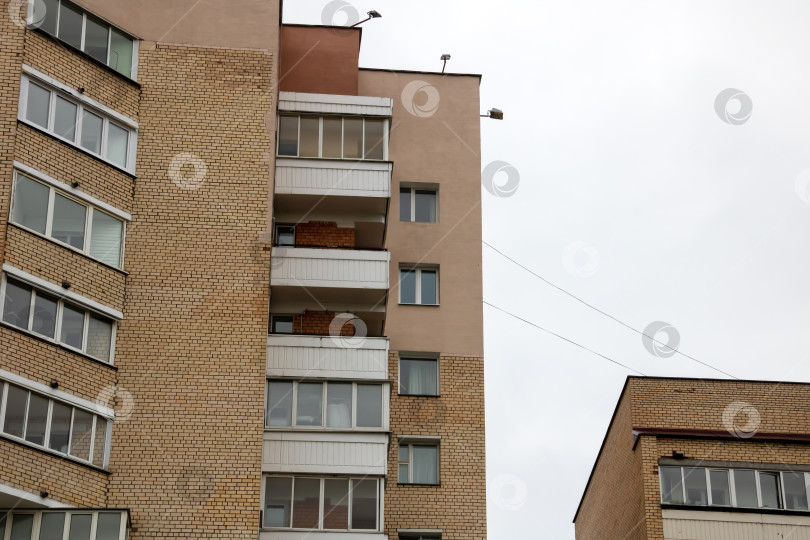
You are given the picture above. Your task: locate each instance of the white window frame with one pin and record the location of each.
(404, 355)
(324, 393)
(275, 316)
(134, 71)
(82, 103)
(86, 201)
(61, 297)
(780, 474)
(37, 525)
(412, 441)
(413, 188)
(73, 404)
(386, 123)
(418, 285)
(380, 489)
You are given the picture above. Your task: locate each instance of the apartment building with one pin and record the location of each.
(241, 280)
(702, 459)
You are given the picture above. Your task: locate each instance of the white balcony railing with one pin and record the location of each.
(327, 357)
(333, 177)
(329, 268)
(324, 452)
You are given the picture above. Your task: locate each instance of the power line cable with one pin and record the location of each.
(563, 338)
(606, 314)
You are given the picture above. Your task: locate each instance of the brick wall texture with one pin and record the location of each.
(630, 475)
(324, 234)
(458, 504)
(319, 323)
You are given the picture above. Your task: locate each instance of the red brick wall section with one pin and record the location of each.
(319, 323)
(324, 234)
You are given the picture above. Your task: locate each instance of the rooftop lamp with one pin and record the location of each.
(371, 15)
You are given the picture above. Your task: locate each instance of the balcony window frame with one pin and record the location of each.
(277, 233)
(732, 472)
(417, 269)
(83, 104)
(386, 128)
(351, 479)
(39, 513)
(276, 317)
(90, 211)
(324, 406)
(132, 75)
(412, 188)
(62, 300)
(5, 387)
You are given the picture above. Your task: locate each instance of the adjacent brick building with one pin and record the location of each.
(702, 459)
(241, 280)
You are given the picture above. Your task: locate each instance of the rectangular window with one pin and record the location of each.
(285, 235)
(419, 376)
(76, 123)
(418, 205)
(77, 28)
(419, 286)
(39, 312)
(314, 503)
(745, 488)
(44, 210)
(695, 484)
(671, 485)
(769, 489)
(330, 405)
(333, 137)
(48, 423)
(419, 463)
(721, 494)
(795, 490)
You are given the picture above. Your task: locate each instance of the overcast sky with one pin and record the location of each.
(634, 195)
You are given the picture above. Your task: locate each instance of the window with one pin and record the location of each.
(419, 376)
(331, 405)
(56, 319)
(333, 137)
(90, 34)
(419, 463)
(70, 120)
(285, 235)
(47, 423)
(418, 205)
(305, 502)
(64, 525)
(282, 324)
(419, 286)
(741, 488)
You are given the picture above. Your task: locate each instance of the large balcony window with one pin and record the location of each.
(311, 503)
(318, 405)
(333, 137)
(63, 525)
(740, 488)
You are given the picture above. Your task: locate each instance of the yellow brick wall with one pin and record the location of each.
(192, 347)
(458, 504)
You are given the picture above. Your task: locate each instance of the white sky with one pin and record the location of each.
(610, 121)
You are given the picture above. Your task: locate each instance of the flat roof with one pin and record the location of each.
(424, 72)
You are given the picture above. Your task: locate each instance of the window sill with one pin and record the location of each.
(68, 246)
(347, 160)
(289, 429)
(86, 56)
(777, 511)
(416, 484)
(56, 344)
(48, 451)
(419, 395)
(77, 147)
(420, 305)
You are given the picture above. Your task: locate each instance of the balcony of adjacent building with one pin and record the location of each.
(26, 516)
